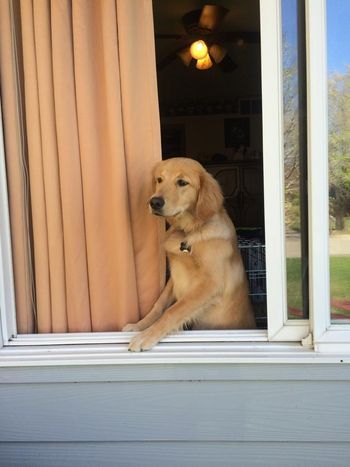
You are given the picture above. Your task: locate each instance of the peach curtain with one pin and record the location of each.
(80, 112)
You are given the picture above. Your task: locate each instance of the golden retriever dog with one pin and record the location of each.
(207, 288)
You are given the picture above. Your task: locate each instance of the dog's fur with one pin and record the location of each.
(208, 287)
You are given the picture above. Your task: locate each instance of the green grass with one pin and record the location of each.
(346, 230)
(347, 224)
(340, 277)
(294, 283)
(340, 281)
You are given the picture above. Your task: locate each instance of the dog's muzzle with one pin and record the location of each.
(157, 203)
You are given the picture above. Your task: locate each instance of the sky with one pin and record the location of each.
(289, 20)
(338, 31)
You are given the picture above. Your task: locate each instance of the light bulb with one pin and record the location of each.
(199, 50)
(204, 63)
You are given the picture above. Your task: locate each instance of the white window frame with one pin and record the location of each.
(280, 328)
(188, 345)
(7, 294)
(328, 337)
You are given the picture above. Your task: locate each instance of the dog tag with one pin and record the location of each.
(185, 247)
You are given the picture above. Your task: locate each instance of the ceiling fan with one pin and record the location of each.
(203, 42)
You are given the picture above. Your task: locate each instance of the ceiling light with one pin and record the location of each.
(204, 63)
(199, 50)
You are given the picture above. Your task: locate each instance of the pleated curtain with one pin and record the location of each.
(81, 129)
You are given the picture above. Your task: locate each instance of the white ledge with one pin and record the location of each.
(242, 335)
(164, 353)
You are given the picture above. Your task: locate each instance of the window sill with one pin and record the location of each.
(254, 335)
(187, 347)
(166, 352)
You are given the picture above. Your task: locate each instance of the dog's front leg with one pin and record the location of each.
(165, 299)
(175, 316)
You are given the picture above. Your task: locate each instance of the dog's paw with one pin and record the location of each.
(132, 327)
(143, 341)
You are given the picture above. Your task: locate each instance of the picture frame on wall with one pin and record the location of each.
(237, 132)
(173, 140)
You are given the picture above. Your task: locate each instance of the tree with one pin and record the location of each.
(291, 137)
(339, 146)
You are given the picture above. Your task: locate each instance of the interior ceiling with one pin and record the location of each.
(177, 82)
(243, 15)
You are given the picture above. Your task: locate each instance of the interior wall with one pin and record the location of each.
(205, 136)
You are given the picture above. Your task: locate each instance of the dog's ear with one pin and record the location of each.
(210, 198)
(153, 175)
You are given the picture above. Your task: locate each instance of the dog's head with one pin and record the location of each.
(183, 185)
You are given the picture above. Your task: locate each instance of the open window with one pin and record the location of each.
(239, 117)
(210, 110)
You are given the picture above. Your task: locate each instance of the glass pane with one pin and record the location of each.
(295, 145)
(338, 17)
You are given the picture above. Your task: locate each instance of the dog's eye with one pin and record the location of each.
(181, 182)
(159, 179)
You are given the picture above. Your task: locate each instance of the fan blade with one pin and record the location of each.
(227, 64)
(180, 44)
(185, 56)
(212, 16)
(217, 52)
(190, 21)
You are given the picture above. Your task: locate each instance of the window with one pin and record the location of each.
(338, 67)
(214, 114)
(329, 164)
(275, 121)
(295, 156)
(281, 28)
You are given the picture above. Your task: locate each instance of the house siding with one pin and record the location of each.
(176, 415)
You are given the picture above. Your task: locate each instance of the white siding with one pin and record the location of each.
(283, 415)
(172, 454)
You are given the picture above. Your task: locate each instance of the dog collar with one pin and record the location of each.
(185, 247)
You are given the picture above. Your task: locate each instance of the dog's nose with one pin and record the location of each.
(157, 202)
